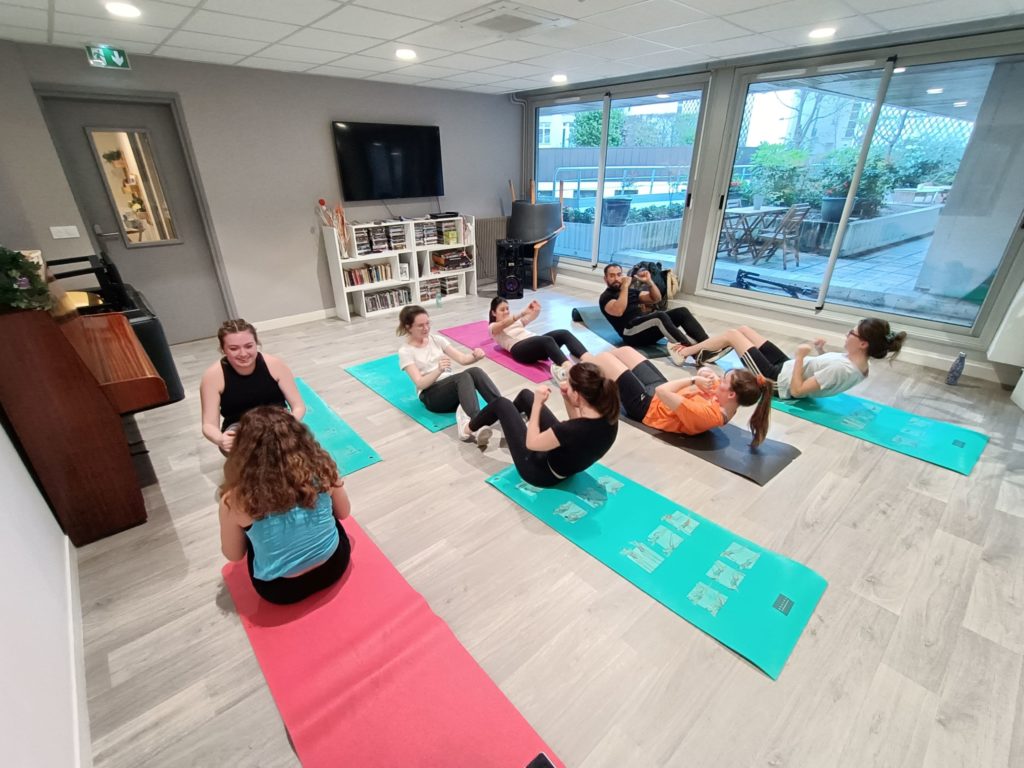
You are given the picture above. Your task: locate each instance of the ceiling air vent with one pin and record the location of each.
(511, 19)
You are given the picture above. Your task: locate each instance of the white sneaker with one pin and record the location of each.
(674, 352)
(483, 435)
(462, 420)
(558, 374)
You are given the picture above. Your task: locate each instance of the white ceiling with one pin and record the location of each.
(584, 39)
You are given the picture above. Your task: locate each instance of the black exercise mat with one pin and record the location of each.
(598, 323)
(728, 447)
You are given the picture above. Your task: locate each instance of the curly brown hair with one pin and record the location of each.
(276, 464)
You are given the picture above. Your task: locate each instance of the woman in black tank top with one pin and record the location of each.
(243, 379)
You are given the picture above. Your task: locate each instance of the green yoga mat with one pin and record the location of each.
(595, 321)
(937, 442)
(751, 600)
(349, 451)
(385, 378)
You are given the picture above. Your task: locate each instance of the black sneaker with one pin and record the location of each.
(706, 356)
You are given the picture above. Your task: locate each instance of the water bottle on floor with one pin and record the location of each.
(956, 369)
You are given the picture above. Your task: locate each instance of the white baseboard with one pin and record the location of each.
(288, 320)
(76, 652)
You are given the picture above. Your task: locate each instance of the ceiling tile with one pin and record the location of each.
(846, 29)
(22, 34)
(521, 84)
(371, 63)
(423, 9)
(575, 36)
(364, 21)
(647, 17)
(210, 43)
(477, 78)
(192, 54)
(578, 9)
(396, 77)
(281, 66)
(299, 12)
(870, 6)
(387, 51)
(30, 18)
(516, 70)
(625, 48)
(652, 62)
(737, 47)
(467, 61)
(76, 40)
(513, 50)
(295, 53)
(941, 12)
(238, 26)
(451, 37)
(40, 4)
(566, 60)
(334, 71)
(489, 89)
(154, 14)
(428, 71)
(331, 41)
(707, 31)
(102, 30)
(790, 14)
(725, 7)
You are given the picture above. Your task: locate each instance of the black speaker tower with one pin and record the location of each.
(511, 269)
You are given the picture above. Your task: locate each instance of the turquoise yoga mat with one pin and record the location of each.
(937, 442)
(751, 600)
(349, 451)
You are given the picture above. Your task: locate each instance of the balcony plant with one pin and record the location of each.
(21, 286)
(876, 181)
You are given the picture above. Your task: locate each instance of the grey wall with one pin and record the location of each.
(262, 144)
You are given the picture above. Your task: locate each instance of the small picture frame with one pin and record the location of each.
(403, 271)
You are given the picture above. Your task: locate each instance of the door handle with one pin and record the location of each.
(100, 233)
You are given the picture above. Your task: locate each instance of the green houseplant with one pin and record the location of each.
(875, 182)
(21, 287)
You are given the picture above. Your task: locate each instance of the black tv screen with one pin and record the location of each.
(379, 161)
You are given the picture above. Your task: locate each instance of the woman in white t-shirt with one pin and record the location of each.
(427, 360)
(509, 332)
(806, 375)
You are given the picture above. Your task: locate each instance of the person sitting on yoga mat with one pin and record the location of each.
(282, 503)
(509, 332)
(626, 303)
(807, 375)
(244, 378)
(690, 405)
(427, 359)
(546, 450)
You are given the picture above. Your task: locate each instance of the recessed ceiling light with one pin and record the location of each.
(959, 103)
(935, 91)
(125, 10)
(405, 54)
(559, 78)
(821, 33)
(899, 70)
(662, 95)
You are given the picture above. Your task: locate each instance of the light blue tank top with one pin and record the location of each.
(290, 542)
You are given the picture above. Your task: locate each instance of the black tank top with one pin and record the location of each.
(244, 392)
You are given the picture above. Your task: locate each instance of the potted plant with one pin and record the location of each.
(876, 180)
(21, 286)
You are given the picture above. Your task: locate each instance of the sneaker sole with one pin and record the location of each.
(483, 436)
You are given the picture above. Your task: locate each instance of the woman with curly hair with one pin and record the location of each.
(282, 503)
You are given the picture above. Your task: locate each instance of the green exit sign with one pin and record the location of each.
(106, 56)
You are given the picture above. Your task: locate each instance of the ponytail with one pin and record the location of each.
(880, 338)
(750, 389)
(599, 391)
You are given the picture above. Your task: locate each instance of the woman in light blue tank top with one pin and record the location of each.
(281, 506)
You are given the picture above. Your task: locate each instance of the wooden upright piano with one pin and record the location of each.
(66, 380)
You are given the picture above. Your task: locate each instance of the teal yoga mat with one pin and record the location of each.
(751, 600)
(937, 442)
(349, 451)
(596, 322)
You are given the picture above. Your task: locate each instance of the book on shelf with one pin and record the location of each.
(387, 299)
(441, 261)
(371, 273)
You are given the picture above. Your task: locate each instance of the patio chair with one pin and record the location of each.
(537, 225)
(785, 232)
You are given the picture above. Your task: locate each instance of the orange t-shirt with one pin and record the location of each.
(695, 414)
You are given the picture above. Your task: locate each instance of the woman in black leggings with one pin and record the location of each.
(546, 450)
(427, 360)
(509, 332)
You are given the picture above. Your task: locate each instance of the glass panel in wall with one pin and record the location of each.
(798, 145)
(650, 154)
(133, 184)
(942, 192)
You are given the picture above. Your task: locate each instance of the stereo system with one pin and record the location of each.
(511, 269)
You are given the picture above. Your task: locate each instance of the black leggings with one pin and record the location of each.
(460, 388)
(533, 349)
(531, 465)
(292, 589)
(654, 326)
(767, 360)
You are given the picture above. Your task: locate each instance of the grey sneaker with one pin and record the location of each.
(558, 374)
(483, 435)
(706, 357)
(674, 352)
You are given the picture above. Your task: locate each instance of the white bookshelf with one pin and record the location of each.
(368, 284)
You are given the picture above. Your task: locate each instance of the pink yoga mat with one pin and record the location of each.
(476, 335)
(365, 674)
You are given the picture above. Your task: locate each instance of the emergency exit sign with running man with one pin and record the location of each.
(107, 57)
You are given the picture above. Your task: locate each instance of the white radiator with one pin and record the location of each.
(488, 231)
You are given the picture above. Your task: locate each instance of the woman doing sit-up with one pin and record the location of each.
(509, 332)
(807, 375)
(282, 503)
(689, 405)
(546, 450)
(427, 359)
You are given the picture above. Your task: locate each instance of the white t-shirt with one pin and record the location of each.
(833, 371)
(511, 334)
(425, 358)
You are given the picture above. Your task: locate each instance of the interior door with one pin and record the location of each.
(127, 171)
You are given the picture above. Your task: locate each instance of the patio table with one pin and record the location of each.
(741, 225)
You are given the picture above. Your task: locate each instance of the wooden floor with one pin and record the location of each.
(913, 657)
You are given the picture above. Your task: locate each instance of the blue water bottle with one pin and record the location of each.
(956, 369)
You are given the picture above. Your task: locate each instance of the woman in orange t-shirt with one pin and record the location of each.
(689, 405)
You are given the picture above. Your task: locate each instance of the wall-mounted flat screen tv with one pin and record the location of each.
(378, 161)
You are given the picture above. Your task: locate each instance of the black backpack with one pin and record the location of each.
(659, 277)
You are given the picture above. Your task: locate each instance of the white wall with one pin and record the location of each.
(39, 690)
